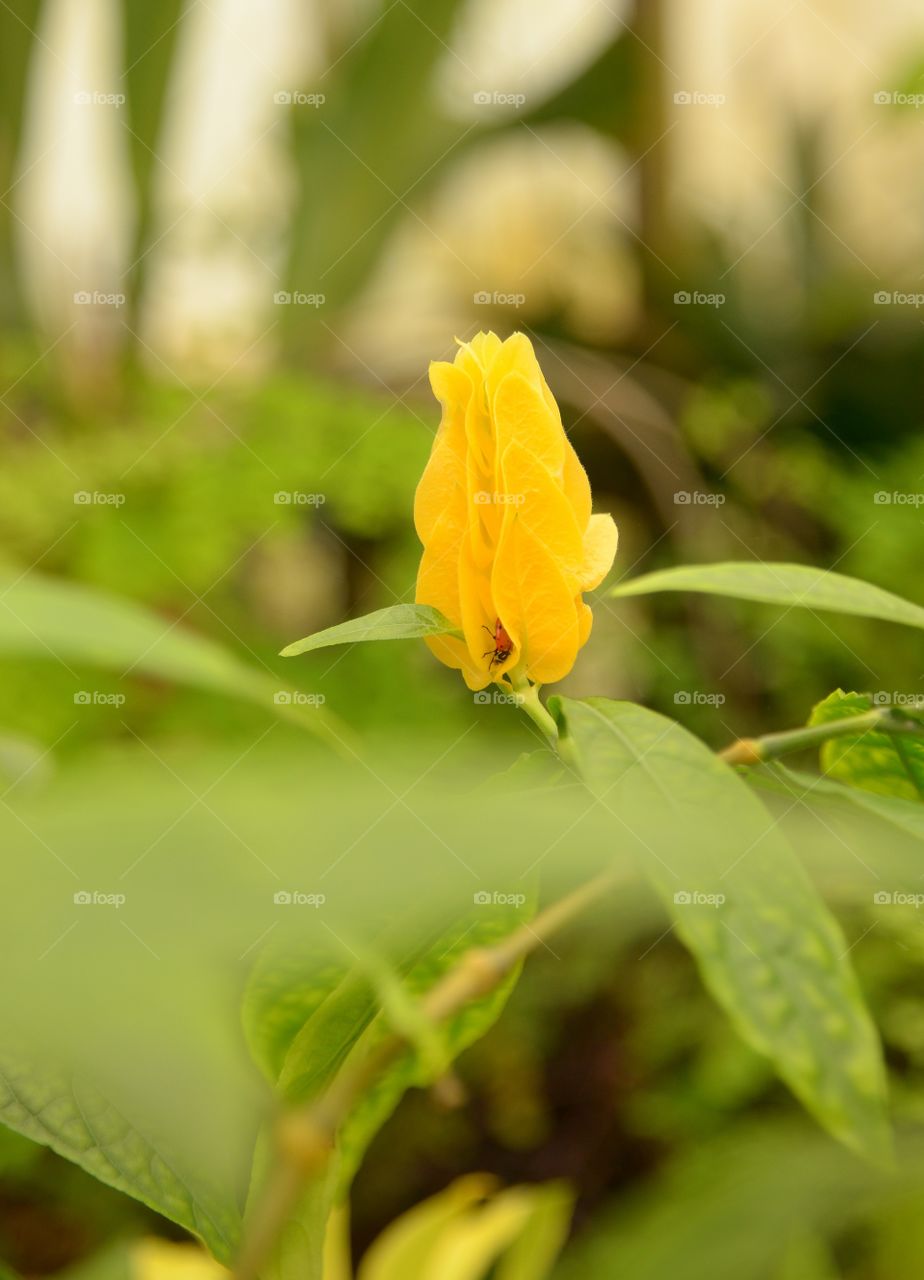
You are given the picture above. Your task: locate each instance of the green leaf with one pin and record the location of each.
(397, 622)
(766, 944)
(531, 771)
(792, 585)
(887, 764)
(74, 1119)
(307, 1013)
(74, 624)
(411, 1070)
(905, 815)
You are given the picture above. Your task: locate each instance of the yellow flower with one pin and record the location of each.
(503, 512)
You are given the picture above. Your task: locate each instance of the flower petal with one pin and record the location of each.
(600, 542)
(535, 603)
(522, 415)
(542, 506)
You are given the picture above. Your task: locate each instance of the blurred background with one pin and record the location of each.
(231, 238)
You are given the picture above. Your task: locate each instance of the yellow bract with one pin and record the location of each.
(503, 512)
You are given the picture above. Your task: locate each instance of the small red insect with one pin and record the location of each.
(503, 645)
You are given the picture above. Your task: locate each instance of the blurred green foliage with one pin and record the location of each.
(611, 1068)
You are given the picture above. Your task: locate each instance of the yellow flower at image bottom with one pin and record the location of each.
(503, 510)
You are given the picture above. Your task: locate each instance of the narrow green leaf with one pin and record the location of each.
(905, 815)
(73, 624)
(766, 944)
(397, 622)
(884, 763)
(792, 585)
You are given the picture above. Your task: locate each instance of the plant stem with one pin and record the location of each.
(306, 1135)
(772, 745)
(528, 698)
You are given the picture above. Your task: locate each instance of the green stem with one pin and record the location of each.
(528, 699)
(773, 745)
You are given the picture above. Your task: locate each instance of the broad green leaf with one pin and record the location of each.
(74, 1119)
(890, 764)
(329, 1013)
(397, 622)
(70, 623)
(766, 944)
(792, 585)
(459, 1032)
